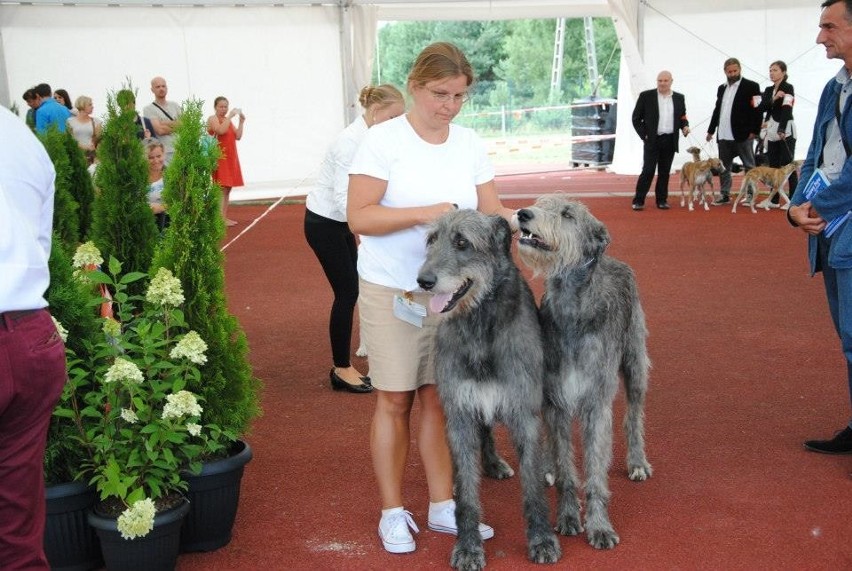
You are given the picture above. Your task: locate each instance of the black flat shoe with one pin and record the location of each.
(367, 380)
(840, 444)
(339, 384)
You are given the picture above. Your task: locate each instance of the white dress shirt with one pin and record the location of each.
(26, 215)
(726, 132)
(665, 126)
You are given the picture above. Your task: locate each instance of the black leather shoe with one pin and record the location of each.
(339, 384)
(663, 206)
(638, 207)
(840, 444)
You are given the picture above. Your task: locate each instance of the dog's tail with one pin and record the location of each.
(635, 365)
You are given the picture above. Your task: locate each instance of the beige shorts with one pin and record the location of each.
(402, 356)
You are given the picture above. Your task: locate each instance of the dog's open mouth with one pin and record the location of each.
(443, 302)
(532, 240)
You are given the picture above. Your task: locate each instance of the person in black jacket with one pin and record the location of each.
(738, 120)
(777, 105)
(657, 117)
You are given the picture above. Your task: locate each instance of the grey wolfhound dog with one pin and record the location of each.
(489, 367)
(593, 328)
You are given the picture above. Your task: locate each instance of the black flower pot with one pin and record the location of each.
(157, 551)
(214, 495)
(70, 543)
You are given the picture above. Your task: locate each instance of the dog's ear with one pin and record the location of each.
(501, 234)
(599, 239)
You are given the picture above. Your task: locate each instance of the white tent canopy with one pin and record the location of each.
(295, 67)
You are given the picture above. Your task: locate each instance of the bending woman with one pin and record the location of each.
(329, 236)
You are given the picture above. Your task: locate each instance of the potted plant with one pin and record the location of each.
(191, 249)
(137, 423)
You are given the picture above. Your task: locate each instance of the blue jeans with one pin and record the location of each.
(838, 291)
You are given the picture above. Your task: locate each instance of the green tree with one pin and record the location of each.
(66, 222)
(80, 182)
(190, 248)
(123, 226)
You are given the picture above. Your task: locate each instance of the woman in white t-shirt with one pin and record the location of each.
(407, 172)
(85, 128)
(329, 236)
(156, 155)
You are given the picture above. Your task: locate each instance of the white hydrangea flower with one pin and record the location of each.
(193, 428)
(137, 520)
(181, 403)
(191, 347)
(165, 289)
(64, 332)
(129, 415)
(112, 328)
(87, 255)
(124, 370)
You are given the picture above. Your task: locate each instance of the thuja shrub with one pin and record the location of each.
(191, 249)
(123, 226)
(66, 223)
(80, 184)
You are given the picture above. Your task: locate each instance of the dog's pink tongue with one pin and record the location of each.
(439, 301)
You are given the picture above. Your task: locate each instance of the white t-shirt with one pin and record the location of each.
(153, 112)
(417, 174)
(328, 197)
(26, 215)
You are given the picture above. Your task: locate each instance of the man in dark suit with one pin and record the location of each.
(657, 117)
(738, 119)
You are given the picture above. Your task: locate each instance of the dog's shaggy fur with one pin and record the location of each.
(489, 366)
(593, 328)
(773, 178)
(696, 177)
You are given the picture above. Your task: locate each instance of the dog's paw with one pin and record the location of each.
(603, 538)
(544, 549)
(468, 558)
(639, 472)
(497, 468)
(569, 525)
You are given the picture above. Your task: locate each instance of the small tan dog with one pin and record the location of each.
(773, 178)
(695, 178)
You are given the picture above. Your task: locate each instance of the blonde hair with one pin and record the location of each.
(81, 102)
(439, 61)
(380, 97)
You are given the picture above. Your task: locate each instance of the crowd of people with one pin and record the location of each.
(744, 120)
(155, 127)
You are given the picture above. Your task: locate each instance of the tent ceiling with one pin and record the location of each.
(389, 9)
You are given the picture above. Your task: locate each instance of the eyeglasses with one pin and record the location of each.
(461, 98)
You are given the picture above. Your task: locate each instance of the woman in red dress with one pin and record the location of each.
(228, 173)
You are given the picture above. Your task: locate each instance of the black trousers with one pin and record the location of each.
(335, 248)
(657, 157)
(780, 153)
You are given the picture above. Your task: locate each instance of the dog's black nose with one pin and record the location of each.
(426, 281)
(524, 215)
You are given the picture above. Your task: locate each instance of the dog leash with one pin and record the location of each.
(272, 207)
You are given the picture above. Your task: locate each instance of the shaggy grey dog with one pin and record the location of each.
(593, 328)
(489, 367)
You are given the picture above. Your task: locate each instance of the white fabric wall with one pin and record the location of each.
(281, 65)
(693, 39)
(296, 70)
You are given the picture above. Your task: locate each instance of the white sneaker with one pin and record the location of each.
(443, 520)
(393, 531)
